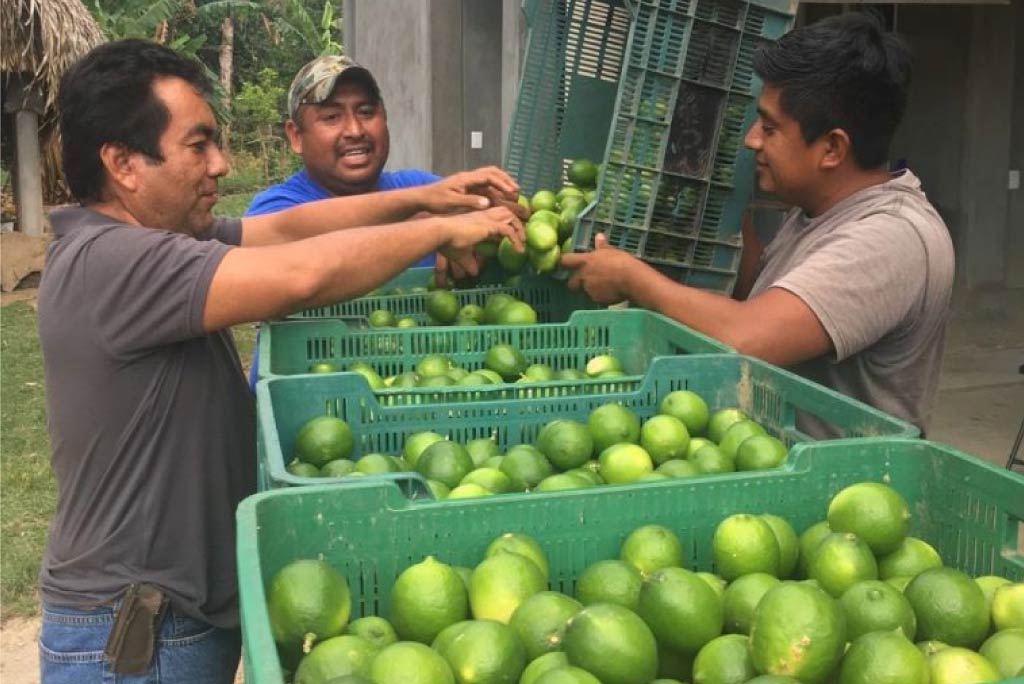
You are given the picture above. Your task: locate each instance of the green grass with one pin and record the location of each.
(27, 487)
(233, 206)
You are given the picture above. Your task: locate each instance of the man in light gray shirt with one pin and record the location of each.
(854, 290)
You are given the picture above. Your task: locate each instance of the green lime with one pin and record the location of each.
(956, 665)
(613, 424)
(612, 643)
(950, 607)
(416, 443)
(874, 606)
(541, 619)
(337, 468)
(567, 674)
(540, 665)
(545, 261)
(323, 367)
(602, 364)
(688, 408)
(740, 600)
(582, 173)
(405, 380)
(715, 582)
(482, 449)
(438, 489)
(737, 433)
(710, 459)
(372, 378)
(376, 630)
(506, 361)
(989, 584)
(912, 557)
(720, 422)
(473, 312)
(526, 466)
(444, 461)
(745, 543)
(789, 544)
(1008, 606)
(484, 652)
(841, 560)
(1005, 650)
(665, 438)
(433, 365)
(541, 235)
(809, 541)
(375, 463)
(335, 658)
(510, 259)
(538, 372)
(624, 463)
(409, 662)
(724, 660)
(442, 306)
(323, 439)
(567, 444)
(307, 601)
(491, 479)
(798, 631)
(381, 318)
(495, 303)
(543, 199)
(883, 657)
(677, 468)
(874, 512)
(760, 452)
(406, 323)
(563, 481)
(696, 444)
(500, 583)
(515, 542)
(300, 469)
(426, 598)
(516, 313)
(468, 490)
(609, 581)
(683, 612)
(650, 548)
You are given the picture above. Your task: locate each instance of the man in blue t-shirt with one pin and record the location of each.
(338, 125)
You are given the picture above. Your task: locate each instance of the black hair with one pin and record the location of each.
(843, 72)
(107, 97)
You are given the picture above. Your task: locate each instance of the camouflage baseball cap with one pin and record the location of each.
(315, 82)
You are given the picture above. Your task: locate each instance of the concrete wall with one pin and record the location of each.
(441, 66)
(1015, 218)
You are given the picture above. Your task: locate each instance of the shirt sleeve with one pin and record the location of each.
(150, 286)
(862, 282)
(270, 200)
(228, 231)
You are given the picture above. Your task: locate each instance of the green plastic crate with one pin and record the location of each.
(633, 335)
(676, 177)
(570, 78)
(969, 510)
(769, 395)
(549, 297)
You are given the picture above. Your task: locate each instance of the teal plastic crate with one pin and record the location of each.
(969, 510)
(572, 62)
(633, 335)
(676, 177)
(769, 395)
(549, 297)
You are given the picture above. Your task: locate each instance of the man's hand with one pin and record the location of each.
(469, 190)
(603, 274)
(464, 232)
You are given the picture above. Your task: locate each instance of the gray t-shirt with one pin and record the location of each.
(877, 271)
(152, 426)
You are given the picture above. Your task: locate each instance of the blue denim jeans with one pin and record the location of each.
(71, 643)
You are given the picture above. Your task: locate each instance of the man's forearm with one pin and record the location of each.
(324, 216)
(712, 314)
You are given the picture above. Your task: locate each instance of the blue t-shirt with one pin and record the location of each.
(299, 188)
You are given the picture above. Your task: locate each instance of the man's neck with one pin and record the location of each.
(843, 188)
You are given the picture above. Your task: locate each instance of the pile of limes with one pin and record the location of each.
(613, 447)
(444, 308)
(553, 218)
(644, 617)
(502, 363)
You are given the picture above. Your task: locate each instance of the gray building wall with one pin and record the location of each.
(1015, 218)
(443, 68)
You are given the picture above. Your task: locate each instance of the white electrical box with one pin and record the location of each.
(1014, 183)
(476, 140)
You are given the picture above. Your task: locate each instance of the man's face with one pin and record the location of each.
(343, 141)
(786, 164)
(178, 193)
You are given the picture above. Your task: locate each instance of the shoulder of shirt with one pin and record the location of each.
(295, 189)
(404, 178)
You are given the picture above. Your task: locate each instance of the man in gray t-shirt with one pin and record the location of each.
(854, 290)
(151, 424)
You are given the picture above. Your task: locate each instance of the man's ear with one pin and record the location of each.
(836, 148)
(291, 129)
(120, 165)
